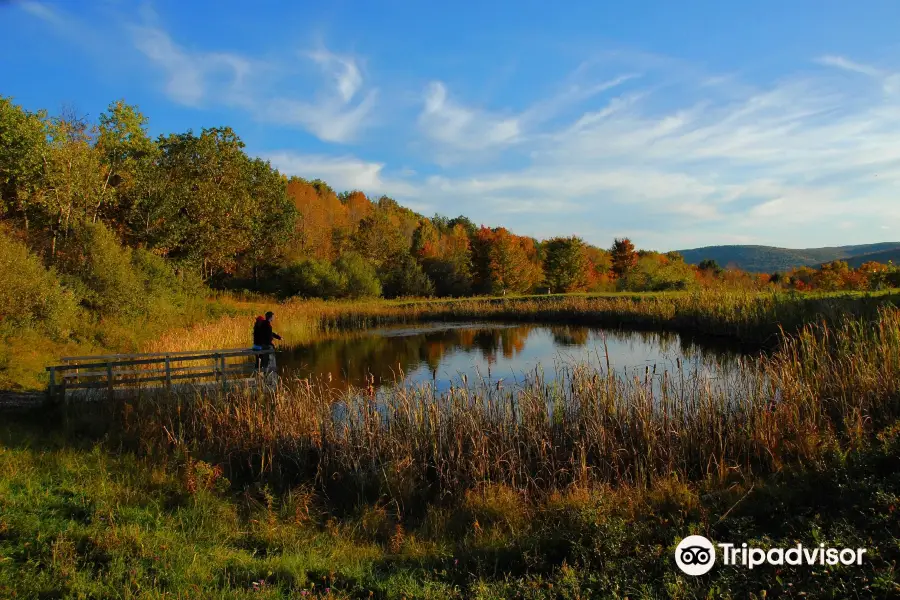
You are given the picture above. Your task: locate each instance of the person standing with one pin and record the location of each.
(263, 336)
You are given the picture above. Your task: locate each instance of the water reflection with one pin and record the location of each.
(444, 354)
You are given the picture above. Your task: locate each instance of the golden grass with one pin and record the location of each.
(830, 386)
(743, 315)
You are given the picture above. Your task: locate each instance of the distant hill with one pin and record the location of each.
(880, 257)
(769, 259)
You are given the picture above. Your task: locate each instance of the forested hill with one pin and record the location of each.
(883, 257)
(770, 259)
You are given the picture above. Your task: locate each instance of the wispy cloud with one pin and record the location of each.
(41, 11)
(848, 65)
(335, 115)
(460, 130)
(191, 77)
(335, 107)
(332, 115)
(785, 161)
(448, 122)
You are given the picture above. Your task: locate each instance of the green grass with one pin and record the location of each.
(497, 495)
(79, 521)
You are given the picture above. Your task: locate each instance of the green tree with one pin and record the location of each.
(203, 215)
(101, 270)
(406, 278)
(124, 146)
(312, 278)
(32, 296)
(360, 278)
(566, 264)
(73, 178)
(23, 150)
(710, 266)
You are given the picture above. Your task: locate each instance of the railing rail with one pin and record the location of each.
(118, 370)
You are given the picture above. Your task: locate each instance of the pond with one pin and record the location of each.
(448, 354)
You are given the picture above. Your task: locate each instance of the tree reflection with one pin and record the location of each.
(386, 356)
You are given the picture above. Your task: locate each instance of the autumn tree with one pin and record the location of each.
(505, 262)
(445, 256)
(624, 257)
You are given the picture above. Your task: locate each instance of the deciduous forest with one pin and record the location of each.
(106, 233)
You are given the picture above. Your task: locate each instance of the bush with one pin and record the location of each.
(359, 275)
(101, 269)
(406, 278)
(654, 275)
(160, 279)
(312, 278)
(32, 296)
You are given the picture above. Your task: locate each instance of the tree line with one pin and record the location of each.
(114, 212)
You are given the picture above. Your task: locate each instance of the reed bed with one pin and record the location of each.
(748, 317)
(830, 386)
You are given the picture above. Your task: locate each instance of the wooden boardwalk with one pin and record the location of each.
(167, 371)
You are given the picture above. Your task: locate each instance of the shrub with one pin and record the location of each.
(651, 274)
(312, 278)
(102, 270)
(406, 278)
(32, 296)
(360, 278)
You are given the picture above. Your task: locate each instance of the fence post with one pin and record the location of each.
(109, 379)
(52, 384)
(224, 379)
(168, 375)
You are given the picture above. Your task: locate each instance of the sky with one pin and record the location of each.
(677, 124)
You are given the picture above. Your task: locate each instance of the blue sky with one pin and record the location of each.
(679, 124)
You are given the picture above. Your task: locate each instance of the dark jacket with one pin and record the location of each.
(262, 333)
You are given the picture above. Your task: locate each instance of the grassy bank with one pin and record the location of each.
(575, 488)
(77, 521)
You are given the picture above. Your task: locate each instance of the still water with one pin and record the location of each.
(445, 354)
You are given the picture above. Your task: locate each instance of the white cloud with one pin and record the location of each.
(333, 116)
(342, 173)
(41, 11)
(344, 70)
(336, 111)
(784, 163)
(193, 77)
(462, 128)
(848, 65)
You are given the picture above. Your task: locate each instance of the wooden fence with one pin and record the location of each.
(157, 370)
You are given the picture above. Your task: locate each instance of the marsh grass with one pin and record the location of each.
(828, 387)
(578, 486)
(749, 317)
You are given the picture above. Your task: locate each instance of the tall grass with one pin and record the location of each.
(750, 317)
(829, 386)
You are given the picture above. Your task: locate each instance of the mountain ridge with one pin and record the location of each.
(769, 259)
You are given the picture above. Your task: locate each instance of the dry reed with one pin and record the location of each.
(832, 384)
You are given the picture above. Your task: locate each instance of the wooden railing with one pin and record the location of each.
(159, 370)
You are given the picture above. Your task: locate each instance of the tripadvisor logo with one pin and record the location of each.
(696, 555)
